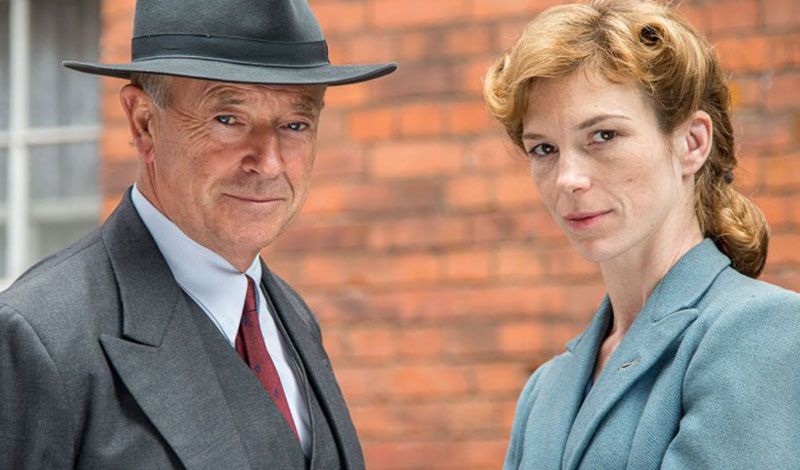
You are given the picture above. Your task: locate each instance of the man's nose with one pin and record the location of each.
(265, 155)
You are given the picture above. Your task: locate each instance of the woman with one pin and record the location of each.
(689, 361)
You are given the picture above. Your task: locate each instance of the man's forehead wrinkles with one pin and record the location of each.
(303, 98)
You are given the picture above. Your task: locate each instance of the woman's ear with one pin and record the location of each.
(697, 140)
(139, 109)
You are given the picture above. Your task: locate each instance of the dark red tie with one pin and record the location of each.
(250, 345)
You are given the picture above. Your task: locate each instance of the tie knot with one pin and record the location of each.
(250, 296)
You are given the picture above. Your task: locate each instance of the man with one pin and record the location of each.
(160, 340)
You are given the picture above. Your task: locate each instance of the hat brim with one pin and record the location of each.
(208, 69)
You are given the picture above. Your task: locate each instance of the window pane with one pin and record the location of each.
(50, 237)
(62, 30)
(3, 209)
(4, 68)
(63, 171)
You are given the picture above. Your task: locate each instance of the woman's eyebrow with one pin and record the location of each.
(597, 119)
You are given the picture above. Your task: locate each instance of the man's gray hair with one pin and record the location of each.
(155, 85)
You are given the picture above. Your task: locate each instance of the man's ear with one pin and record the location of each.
(140, 111)
(697, 140)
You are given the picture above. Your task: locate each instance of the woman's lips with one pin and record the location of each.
(579, 221)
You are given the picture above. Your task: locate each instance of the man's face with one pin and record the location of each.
(231, 163)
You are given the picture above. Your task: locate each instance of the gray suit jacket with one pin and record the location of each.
(106, 363)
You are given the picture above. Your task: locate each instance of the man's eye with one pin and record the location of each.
(297, 126)
(225, 119)
(542, 150)
(603, 136)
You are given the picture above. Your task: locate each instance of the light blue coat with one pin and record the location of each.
(707, 377)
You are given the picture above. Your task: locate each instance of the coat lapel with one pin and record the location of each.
(317, 365)
(159, 357)
(667, 313)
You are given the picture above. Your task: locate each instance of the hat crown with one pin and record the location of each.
(264, 20)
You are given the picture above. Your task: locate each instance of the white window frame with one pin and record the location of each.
(19, 215)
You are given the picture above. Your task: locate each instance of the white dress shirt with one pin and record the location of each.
(219, 289)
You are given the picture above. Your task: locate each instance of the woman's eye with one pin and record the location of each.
(543, 150)
(297, 126)
(225, 119)
(603, 136)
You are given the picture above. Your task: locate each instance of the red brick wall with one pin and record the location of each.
(438, 277)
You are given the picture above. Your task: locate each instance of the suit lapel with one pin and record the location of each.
(160, 357)
(667, 313)
(560, 398)
(317, 365)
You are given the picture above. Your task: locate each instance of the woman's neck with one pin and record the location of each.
(631, 277)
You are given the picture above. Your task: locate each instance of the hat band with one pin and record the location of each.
(233, 49)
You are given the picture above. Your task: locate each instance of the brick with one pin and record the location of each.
(372, 48)
(471, 74)
(336, 159)
(412, 382)
(783, 249)
(420, 343)
(414, 46)
(346, 96)
(514, 190)
(371, 197)
(776, 209)
(372, 344)
(410, 13)
(415, 159)
(117, 175)
(338, 16)
(493, 153)
(417, 81)
(493, 10)
(747, 92)
(373, 420)
(361, 384)
(373, 124)
(417, 232)
(473, 418)
(784, 51)
(696, 15)
(782, 171)
(733, 15)
(743, 54)
(520, 263)
(757, 133)
(311, 236)
(784, 94)
(469, 265)
(781, 13)
(521, 337)
(469, 340)
(398, 270)
(467, 40)
(421, 120)
(468, 192)
(116, 144)
(500, 379)
(468, 117)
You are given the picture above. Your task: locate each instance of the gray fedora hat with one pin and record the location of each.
(248, 41)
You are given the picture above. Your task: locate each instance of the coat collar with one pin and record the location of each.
(160, 357)
(668, 312)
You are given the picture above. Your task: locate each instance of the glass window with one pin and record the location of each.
(49, 155)
(4, 68)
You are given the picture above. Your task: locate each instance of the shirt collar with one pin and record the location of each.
(208, 278)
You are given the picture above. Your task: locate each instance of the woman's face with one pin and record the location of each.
(604, 169)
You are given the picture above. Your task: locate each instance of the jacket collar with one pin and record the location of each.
(160, 357)
(667, 313)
